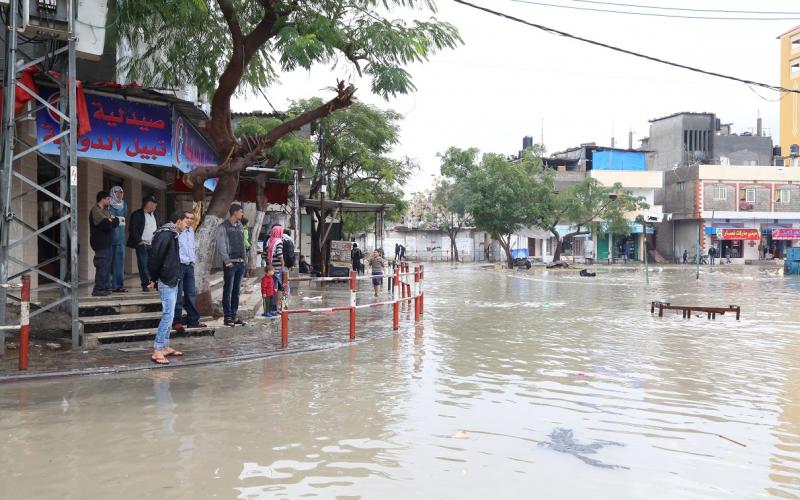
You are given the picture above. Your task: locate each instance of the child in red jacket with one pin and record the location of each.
(268, 292)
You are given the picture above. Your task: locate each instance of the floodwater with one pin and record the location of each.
(516, 385)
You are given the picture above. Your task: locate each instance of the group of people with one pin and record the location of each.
(713, 255)
(279, 255)
(166, 258)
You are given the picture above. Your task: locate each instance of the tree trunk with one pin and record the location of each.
(252, 255)
(558, 250)
(506, 245)
(206, 241)
(453, 249)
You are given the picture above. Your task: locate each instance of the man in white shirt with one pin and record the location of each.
(143, 223)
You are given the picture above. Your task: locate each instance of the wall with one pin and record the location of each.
(743, 150)
(680, 199)
(666, 138)
(790, 106)
(619, 160)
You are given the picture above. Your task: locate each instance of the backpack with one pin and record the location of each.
(288, 252)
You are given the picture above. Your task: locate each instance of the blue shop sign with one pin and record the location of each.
(121, 130)
(635, 228)
(191, 150)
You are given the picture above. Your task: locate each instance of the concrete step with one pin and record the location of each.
(119, 305)
(119, 322)
(144, 336)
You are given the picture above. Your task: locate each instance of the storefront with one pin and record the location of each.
(621, 245)
(735, 243)
(780, 238)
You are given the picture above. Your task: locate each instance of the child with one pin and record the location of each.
(268, 292)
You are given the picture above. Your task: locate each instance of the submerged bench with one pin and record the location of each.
(687, 310)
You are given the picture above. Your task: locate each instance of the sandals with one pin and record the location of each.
(169, 351)
(159, 358)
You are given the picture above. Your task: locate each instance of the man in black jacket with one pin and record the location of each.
(141, 227)
(165, 269)
(101, 235)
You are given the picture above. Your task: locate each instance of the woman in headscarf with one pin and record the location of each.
(275, 257)
(120, 210)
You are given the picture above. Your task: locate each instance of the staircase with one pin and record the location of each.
(122, 318)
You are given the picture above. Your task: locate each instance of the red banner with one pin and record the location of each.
(786, 233)
(739, 234)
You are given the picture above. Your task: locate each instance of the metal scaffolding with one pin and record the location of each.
(63, 188)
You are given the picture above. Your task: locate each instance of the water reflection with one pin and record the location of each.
(524, 383)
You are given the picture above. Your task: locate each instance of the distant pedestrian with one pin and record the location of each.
(377, 265)
(402, 252)
(142, 225)
(712, 252)
(230, 244)
(268, 292)
(355, 256)
(685, 256)
(119, 209)
(397, 251)
(164, 268)
(276, 259)
(187, 292)
(101, 236)
(305, 268)
(246, 231)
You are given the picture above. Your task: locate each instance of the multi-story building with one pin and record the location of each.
(746, 212)
(790, 105)
(700, 138)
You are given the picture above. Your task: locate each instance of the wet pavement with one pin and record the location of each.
(515, 385)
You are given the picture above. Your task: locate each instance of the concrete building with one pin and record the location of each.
(700, 138)
(790, 105)
(745, 212)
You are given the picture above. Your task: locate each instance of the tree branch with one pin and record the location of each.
(243, 155)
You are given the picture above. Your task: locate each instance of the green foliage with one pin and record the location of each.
(180, 41)
(353, 148)
(501, 195)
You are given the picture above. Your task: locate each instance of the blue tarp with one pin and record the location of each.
(619, 160)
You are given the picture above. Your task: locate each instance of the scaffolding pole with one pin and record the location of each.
(63, 189)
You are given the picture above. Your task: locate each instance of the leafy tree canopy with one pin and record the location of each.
(181, 41)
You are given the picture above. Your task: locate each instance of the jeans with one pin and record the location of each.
(268, 303)
(232, 279)
(186, 297)
(142, 260)
(102, 267)
(169, 295)
(117, 266)
(711, 259)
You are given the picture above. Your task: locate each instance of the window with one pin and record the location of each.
(795, 67)
(784, 195)
(720, 192)
(750, 195)
(681, 186)
(796, 43)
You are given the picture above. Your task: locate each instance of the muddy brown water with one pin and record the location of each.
(542, 385)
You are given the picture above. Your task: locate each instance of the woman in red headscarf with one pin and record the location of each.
(275, 257)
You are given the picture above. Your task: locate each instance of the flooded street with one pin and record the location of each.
(516, 385)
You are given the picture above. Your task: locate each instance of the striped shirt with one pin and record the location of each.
(277, 255)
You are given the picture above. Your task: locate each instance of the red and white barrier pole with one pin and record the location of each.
(396, 305)
(353, 290)
(402, 283)
(284, 329)
(24, 322)
(421, 294)
(416, 294)
(285, 279)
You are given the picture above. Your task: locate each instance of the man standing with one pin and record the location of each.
(101, 234)
(712, 252)
(186, 288)
(143, 225)
(164, 267)
(356, 255)
(230, 244)
(119, 209)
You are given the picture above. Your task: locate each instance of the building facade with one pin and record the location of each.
(747, 213)
(790, 105)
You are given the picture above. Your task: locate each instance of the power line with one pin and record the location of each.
(553, 31)
(656, 14)
(687, 9)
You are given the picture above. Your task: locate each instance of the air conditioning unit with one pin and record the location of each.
(90, 29)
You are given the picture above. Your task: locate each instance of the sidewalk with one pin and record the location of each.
(260, 338)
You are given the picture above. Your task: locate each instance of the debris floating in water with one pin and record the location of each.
(562, 440)
(461, 434)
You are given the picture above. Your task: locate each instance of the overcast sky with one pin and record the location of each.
(507, 77)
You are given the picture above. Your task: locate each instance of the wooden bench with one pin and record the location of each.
(687, 310)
